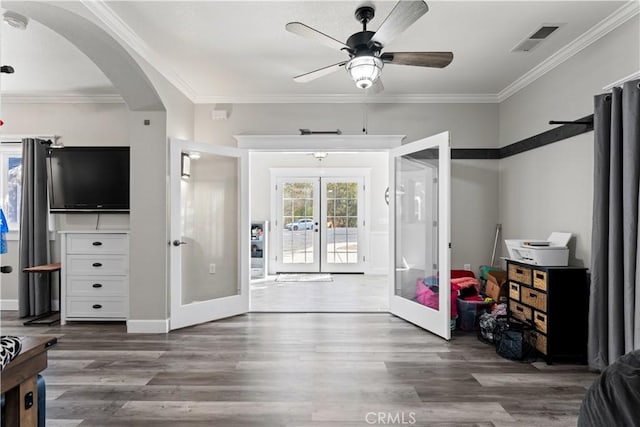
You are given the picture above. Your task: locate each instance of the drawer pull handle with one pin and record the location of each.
(97, 285)
(533, 295)
(97, 243)
(514, 287)
(539, 276)
(520, 309)
(540, 318)
(519, 271)
(97, 264)
(96, 306)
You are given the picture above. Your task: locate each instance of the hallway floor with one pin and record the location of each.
(296, 370)
(346, 293)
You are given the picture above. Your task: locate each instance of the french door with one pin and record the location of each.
(319, 224)
(209, 231)
(419, 233)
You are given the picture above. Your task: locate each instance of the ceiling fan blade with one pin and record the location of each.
(419, 59)
(307, 32)
(401, 17)
(307, 77)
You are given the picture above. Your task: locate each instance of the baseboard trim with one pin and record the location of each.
(9, 304)
(148, 326)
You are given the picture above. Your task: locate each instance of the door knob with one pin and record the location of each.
(178, 242)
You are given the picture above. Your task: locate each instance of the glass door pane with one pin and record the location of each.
(210, 228)
(416, 222)
(298, 200)
(342, 204)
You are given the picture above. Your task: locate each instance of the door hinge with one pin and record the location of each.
(276, 257)
(435, 266)
(364, 258)
(435, 223)
(364, 187)
(364, 223)
(435, 180)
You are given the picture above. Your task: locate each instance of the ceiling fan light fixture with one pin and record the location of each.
(365, 70)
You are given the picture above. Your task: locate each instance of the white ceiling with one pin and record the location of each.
(241, 49)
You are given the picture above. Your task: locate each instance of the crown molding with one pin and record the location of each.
(113, 22)
(604, 27)
(632, 76)
(351, 99)
(59, 98)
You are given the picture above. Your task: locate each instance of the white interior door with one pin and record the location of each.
(419, 231)
(297, 225)
(342, 224)
(210, 232)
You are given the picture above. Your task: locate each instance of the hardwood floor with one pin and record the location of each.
(345, 293)
(296, 370)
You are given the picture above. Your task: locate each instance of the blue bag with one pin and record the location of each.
(4, 229)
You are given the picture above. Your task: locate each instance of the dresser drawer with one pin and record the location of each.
(97, 243)
(520, 312)
(514, 291)
(540, 280)
(540, 321)
(533, 298)
(96, 307)
(91, 265)
(537, 340)
(97, 286)
(520, 274)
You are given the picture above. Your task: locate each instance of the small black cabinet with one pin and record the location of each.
(554, 301)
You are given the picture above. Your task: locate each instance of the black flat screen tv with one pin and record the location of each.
(88, 179)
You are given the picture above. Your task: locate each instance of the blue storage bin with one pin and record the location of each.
(469, 312)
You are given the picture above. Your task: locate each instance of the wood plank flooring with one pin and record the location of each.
(346, 293)
(296, 370)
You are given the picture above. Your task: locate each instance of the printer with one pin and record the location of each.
(551, 252)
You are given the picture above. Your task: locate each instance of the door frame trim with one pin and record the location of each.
(337, 172)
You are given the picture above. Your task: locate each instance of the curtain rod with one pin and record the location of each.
(623, 80)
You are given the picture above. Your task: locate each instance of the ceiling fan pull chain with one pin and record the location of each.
(364, 119)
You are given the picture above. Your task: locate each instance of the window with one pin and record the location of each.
(11, 184)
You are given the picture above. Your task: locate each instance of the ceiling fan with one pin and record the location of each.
(365, 47)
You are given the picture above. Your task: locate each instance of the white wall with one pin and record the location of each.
(474, 182)
(551, 188)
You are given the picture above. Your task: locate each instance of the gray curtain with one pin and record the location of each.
(614, 311)
(33, 289)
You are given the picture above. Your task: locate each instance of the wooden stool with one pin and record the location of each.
(50, 317)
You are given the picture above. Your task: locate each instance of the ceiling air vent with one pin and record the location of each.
(528, 44)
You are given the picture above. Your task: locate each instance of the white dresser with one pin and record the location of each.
(95, 275)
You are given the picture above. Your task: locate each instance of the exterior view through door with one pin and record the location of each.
(319, 224)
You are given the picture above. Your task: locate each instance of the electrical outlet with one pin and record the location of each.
(212, 269)
(467, 267)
